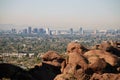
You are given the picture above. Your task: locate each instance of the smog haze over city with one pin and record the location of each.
(60, 14)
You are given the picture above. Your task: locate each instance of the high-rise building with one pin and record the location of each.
(29, 30)
(35, 30)
(13, 31)
(41, 31)
(80, 30)
(57, 32)
(95, 32)
(71, 30)
(47, 31)
(24, 31)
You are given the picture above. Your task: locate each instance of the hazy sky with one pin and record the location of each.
(95, 14)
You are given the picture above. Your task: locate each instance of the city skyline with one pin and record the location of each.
(47, 31)
(62, 14)
(7, 27)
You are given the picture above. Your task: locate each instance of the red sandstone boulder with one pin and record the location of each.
(52, 58)
(105, 76)
(108, 57)
(76, 47)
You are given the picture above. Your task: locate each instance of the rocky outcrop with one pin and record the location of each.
(110, 46)
(84, 64)
(105, 76)
(76, 47)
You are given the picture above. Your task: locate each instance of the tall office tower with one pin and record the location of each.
(24, 31)
(47, 31)
(41, 31)
(95, 32)
(13, 31)
(35, 30)
(80, 30)
(29, 30)
(71, 30)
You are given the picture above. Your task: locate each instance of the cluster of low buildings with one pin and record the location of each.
(19, 55)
